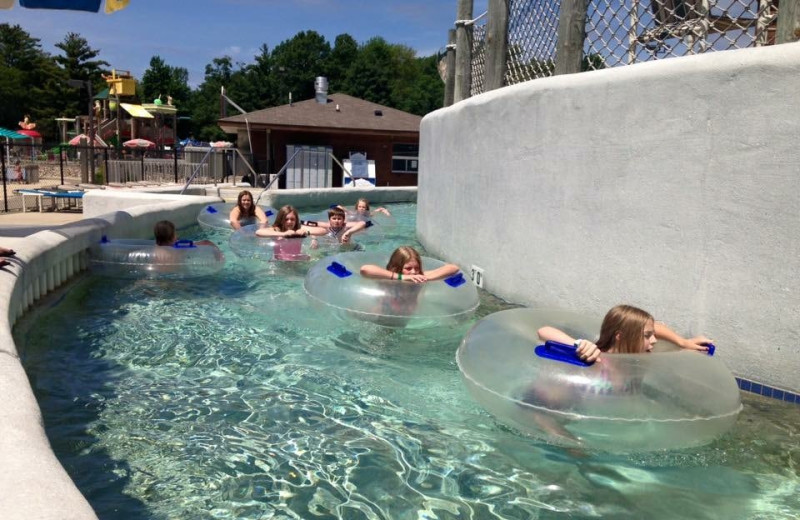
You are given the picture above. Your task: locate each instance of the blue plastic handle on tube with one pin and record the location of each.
(560, 352)
(455, 280)
(711, 348)
(339, 270)
(183, 244)
(211, 209)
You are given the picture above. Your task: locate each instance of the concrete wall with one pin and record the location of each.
(670, 185)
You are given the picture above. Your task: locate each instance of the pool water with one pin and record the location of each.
(234, 397)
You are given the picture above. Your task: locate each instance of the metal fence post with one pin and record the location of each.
(61, 162)
(5, 192)
(463, 80)
(175, 162)
(105, 159)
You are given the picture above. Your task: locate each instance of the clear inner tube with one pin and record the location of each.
(129, 258)
(246, 244)
(669, 398)
(335, 283)
(217, 216)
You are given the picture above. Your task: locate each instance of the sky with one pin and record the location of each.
(191, 34)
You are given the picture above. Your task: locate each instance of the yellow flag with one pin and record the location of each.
(116, 5)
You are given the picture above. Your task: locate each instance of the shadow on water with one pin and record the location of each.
(72, 406)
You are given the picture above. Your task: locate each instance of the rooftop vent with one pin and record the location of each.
(321, 89)
(379, 113)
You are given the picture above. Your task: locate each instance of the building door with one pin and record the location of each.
(312, 167)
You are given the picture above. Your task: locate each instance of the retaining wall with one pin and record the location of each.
(670, 185)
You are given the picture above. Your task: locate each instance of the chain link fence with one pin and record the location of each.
(624, 33)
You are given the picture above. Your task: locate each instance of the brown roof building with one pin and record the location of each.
(337, 124)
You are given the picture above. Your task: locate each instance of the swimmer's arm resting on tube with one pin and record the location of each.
(586, 350)
(663, 332)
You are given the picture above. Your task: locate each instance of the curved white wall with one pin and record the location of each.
(32, 482)
(671, 185)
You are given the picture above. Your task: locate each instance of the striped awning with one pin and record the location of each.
(10, 134)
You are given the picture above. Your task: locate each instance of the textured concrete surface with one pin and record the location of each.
(670, 185)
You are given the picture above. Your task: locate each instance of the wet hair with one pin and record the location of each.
(243, 213)
(336, 212)
(365, 201)
(627, 321)
(401, 256)
(281, 216)
(164, 230)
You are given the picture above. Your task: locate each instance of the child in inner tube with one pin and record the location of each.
(166, 236)
(405, 265)
(336, 228)
(246, 210)
(286, 228)
(362, 211)
(625, 330)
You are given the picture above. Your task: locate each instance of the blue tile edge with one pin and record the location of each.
(780, 394)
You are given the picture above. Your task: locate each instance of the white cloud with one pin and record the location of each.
(232, 51)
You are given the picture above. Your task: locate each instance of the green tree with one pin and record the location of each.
(28, 78)
(164, 80)
(296, 62)
(78, 62)
(206, 100)
(371, 74)
(424, 91)
(261, 81)
(344, 53)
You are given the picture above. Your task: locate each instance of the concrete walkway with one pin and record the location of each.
(19, 224)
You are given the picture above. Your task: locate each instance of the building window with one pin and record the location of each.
(405, 158)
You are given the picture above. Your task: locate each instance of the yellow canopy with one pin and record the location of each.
(136, 110)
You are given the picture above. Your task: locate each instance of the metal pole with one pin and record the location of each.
(175, 157)
(199, 166)
(61, 162)
(5, 192)
(105, 157)
(91, 132)
(278, 175)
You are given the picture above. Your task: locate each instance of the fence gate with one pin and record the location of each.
(311, 168)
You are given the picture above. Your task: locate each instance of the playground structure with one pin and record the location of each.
(119, 116)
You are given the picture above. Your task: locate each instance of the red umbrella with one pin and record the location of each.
(139, 143)
(31, 133)
(76, 141)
